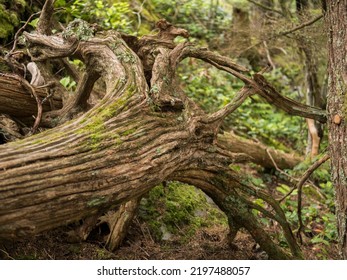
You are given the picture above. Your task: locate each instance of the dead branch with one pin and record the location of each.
(268, 56)
(237, 101)
(258, 152)
(284, 33)
(20, 30)
(301, 26)
(258, 83)
(269, 93)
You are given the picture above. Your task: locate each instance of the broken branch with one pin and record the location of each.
(288, 105)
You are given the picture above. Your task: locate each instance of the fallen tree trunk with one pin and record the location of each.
(141, 133)
(258, 152)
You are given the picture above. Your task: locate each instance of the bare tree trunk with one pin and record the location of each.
(336, 20)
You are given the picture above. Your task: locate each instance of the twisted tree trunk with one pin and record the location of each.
(143, 132)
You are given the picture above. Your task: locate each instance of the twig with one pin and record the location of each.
(305, 24)
(266, 7)
(268, 56)
(280, 170)
(284, 33)
(138, 14)
(44, 249)
(141, 228)
(299, 186)
(286, 174)
(47, 97)
(237, 101)
(7, 254)
(18, 32)
(32, 90)
(288, 194)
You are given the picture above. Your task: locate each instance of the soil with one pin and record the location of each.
(207, 244)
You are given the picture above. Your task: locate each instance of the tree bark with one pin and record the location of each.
(18, 102)
(336, 21)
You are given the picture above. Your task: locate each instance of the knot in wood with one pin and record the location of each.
(337, 119)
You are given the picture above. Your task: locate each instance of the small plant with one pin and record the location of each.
(68, 83)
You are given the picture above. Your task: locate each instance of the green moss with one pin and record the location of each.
(3, 66)
(5, 28)
(96, 128)
(178, 208)
(20, 2)
(10, 18)
(128, 132)
(97, 201)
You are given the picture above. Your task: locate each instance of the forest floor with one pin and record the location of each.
(207, 244)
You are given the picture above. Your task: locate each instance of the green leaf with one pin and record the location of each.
(65, 81)
(34, 22)
(319, 239)
(283, 189)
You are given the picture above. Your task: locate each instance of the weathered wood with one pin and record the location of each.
(18, 102)
(258, 152)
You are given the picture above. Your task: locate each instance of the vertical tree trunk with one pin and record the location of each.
(336, 20)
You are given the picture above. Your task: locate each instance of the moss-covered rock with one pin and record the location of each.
(10, 15)
(177, 211)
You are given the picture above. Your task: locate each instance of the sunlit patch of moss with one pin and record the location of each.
(96, 128)
(128, 132)
(46, 137)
